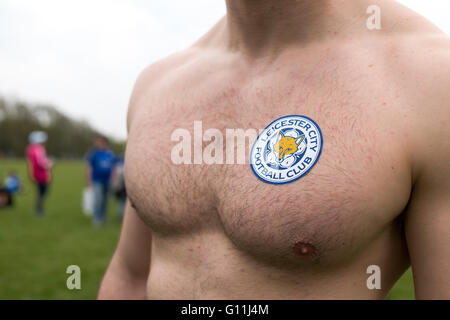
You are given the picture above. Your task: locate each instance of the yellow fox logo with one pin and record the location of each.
(287, 145)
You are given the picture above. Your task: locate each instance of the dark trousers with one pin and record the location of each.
(42, 189)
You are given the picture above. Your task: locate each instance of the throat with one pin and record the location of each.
(257, 26)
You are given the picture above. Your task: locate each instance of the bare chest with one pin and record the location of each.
(184, 176)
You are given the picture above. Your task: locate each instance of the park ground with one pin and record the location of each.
(35, 252)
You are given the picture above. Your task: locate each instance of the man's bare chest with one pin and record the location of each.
(184, 177)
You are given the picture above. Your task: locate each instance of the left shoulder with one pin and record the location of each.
(423, 73)
(422, 63)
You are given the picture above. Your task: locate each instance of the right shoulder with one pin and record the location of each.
(157, 76)
(177, 71)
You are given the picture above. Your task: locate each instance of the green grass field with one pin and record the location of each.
(35, 253)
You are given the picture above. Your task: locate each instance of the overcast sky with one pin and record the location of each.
(83, 56)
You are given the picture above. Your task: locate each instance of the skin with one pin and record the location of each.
(377, 196)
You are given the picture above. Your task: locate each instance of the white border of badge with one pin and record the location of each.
(259, 140)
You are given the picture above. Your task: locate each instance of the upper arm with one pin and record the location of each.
(428, 231)
(428, 215)
(127, 274)
(134, 248)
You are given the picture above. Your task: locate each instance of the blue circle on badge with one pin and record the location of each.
(286, 150)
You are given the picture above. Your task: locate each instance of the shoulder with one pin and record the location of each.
(422, 70)
(177, 63)
(415, 53)
(176, 72)
(159, 77)
(422, 60)
(421, 67)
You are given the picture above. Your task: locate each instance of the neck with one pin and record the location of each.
(257, 25)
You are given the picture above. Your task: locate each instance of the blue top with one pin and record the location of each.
(12, 184)
(102, 163)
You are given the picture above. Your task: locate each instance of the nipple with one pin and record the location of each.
(304, 249)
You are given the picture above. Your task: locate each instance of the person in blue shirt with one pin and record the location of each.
(101, 161)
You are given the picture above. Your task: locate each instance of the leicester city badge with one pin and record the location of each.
(286, 149)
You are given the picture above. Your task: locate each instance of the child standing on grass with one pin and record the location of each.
(39, 166)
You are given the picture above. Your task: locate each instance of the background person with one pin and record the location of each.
(39, 166)
(101, 161)
(12, 185)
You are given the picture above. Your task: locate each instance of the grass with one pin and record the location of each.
(404, 288)
(35, 253)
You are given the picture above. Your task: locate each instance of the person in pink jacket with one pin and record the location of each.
(39, 166)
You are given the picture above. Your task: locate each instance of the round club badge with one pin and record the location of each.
(286, 149)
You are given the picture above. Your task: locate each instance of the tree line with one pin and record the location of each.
(68, 138)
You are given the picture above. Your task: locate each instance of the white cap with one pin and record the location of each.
(37, 137)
